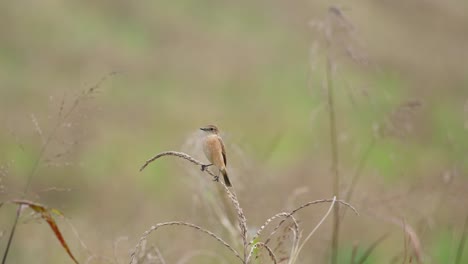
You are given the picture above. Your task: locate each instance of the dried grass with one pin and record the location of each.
(46, 140)
(248, 246)
(179, 223)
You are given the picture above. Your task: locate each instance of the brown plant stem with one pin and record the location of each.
(357, 174)
(334, 157)
(60, 119)
(26, 189)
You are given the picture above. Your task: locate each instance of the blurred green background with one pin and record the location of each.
(256, 69)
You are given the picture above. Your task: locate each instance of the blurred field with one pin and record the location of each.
(257, 70)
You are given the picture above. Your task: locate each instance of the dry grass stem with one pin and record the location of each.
(357, 174)
(44, 146)
(159, 256)
(269, 220)
(179, 155)
(261, 245)
(333, 136)
(77, 235)
(240, 215)
(408, 230)
(231, 194)
(225, 213)
(37, 127)
(414, 241)
(304, 206)
(242, 220)
(297, 250)
(179, 223)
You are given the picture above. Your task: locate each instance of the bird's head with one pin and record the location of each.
(210, 129)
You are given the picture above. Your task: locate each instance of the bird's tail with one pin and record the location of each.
(226, 179)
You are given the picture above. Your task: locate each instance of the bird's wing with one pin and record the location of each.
(223, 150)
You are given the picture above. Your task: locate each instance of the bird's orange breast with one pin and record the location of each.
(213, 150)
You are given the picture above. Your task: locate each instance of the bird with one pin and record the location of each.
(215, 152)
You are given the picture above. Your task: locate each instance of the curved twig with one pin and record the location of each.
(231, 194)
(240, 216)
(306, 205)
(298, 250)
(269, 220)
(153, 228)
(180, 155)
(263, 245)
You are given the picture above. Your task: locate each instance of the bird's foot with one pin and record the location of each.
(203, 166)
(216, 178)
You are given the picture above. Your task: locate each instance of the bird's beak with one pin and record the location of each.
(203, 128)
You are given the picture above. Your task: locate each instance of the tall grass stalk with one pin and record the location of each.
(27, 186)
(334, 158)
(62, 117)
(357, 173)
(251, 246)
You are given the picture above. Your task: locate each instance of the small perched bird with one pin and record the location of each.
(213, 147)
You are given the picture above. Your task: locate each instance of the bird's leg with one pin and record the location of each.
(216, 178)
(203, 166)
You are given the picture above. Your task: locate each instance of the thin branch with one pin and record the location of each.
(12, 233)
(408, 230)
(306, 205)
(261, 245)
(240, 216)
(357, 174)
(176, 154)
(77, 235)
(269, 220)
(155, 227)
(296, 253)
(231, 194)
(160, 256)
(26, 188)
(37, 127)
(334, 153)
(45, 144)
